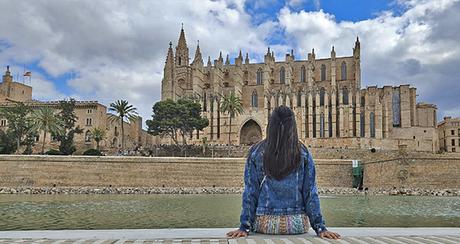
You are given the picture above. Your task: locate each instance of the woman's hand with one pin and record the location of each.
(329, 235)
(237, 233)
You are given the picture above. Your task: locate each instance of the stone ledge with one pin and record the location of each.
(215, 233)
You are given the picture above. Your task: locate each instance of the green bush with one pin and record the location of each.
(92, 152)
(53, 152)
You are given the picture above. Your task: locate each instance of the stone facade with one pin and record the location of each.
(449, 134)
(332, 110)
(90, 114)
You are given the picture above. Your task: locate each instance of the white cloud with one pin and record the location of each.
(118, 48)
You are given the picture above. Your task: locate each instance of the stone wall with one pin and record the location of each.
(77, 171)
(435, 172)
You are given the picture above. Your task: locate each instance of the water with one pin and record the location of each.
(30, 212)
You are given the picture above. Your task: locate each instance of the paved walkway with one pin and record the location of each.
(216, 236)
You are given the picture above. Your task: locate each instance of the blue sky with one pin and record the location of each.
(108, 50)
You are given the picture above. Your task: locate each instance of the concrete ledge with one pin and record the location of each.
(215, 233)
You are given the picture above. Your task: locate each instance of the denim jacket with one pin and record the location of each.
(295, 194)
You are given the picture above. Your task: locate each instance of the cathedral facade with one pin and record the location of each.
(331, 108)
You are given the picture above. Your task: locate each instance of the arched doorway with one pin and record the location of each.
(250, 133)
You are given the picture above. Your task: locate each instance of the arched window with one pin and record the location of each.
(372, 124)
(282, 75)
(88, 136)
(205, 102)
(302, 74)
(362, 124)
(254, 99)
(345, 96)
(299, 99)
(259, 76)
(321, 125)
(343, 71)
(323, 72)
(363, 101)
(322, 92)
(180, 60)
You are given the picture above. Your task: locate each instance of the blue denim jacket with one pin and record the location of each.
(295, 194)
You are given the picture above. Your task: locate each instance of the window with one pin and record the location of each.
(323, 72)
(321, 96)
(396, 107)
(372, 124)
(180, 61)
(90, 111)
(363, 101)
(343, 71)
(361, 125)
(89, 121)
(453, 149)
(282, 75)
(302, 74)
(453, 142)
(345, 96)
(299, 99)
(321, 125)
(205, 103)
(3, 122)
(259, 76)
(452, 132)
(88, 136)
(254, 99)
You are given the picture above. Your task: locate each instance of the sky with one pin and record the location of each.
(110, 50)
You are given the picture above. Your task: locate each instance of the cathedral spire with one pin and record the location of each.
(357, 48)
(333, 53)
(182, 42)
(220, 57)
(227, 60)
(198, 57)
(182, 56)
(246, 61)
(209, 61)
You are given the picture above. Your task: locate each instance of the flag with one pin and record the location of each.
(28, 73)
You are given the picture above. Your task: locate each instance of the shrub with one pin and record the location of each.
(53, 152)
(92, 152)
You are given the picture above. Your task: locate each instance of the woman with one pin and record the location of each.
(280, 195)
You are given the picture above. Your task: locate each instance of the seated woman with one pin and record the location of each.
(280, 195)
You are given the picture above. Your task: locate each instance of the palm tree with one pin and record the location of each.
(123, 110)
(46, 120)
(98, 135)
(232, 105)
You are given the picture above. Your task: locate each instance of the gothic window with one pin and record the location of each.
(396, 107)
(299, 99)
(254, 99)
(322, 92)
(343, 71)
(302, 74)
(180, 61)
(88, 136)
(361, 124)
(323, 72)
(205, 102)
(282, 75)
(321, 125)
(259, 76)
(372, 124)
(345, 96)
(363, 101)
(330, 121)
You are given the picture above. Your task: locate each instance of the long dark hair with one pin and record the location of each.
(282, 145)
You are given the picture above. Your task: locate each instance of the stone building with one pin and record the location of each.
(332, 110)
(90, 114)
(449, 134)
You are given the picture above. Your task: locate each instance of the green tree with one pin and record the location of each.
(172, 118)
(69, 118)
(47, 121)
(123, 111)
(19, 122)
(232, 105)
(98, 135)
(7, 142)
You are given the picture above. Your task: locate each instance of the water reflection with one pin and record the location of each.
(25, 212)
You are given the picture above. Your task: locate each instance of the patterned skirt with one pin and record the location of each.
(282, 224)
